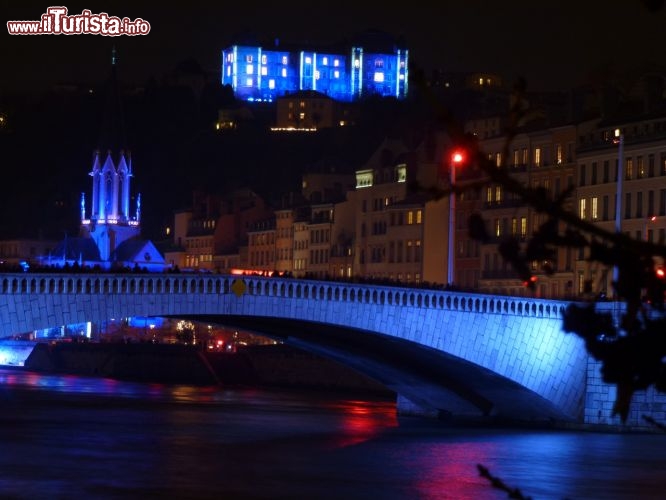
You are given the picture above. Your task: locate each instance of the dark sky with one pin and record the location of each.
(554, 44)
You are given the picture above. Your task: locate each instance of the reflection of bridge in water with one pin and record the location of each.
(445, 353)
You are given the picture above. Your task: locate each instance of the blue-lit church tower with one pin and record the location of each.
(374, 64)
(110, 225)
(110, 222)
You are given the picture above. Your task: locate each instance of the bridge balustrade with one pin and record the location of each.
(27, 283)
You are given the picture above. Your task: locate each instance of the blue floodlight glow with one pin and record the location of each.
(266, 74)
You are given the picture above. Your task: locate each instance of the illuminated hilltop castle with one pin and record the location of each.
(110, 237)
(374, 64)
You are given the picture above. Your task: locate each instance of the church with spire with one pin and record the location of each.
(110, 230)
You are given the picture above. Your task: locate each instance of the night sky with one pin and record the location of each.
(47, 147)
(555, 45)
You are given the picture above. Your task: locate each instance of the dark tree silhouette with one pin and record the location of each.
(630, 343)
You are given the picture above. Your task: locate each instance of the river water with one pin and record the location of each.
(71, 437)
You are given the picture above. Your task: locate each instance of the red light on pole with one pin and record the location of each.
(457, 157)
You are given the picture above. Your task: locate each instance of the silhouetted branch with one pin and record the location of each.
(499, 484)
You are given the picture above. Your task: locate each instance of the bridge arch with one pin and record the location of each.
(464, 328)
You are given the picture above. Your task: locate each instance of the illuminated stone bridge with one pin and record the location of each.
(443, 353)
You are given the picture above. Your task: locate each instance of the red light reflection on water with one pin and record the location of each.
(363, 420)
(449, 470)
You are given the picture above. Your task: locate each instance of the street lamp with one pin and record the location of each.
(619, 140)
(457, 159)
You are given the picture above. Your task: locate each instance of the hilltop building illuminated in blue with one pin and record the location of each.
(372, 65)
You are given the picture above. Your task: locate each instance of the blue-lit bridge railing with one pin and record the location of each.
(517, 337)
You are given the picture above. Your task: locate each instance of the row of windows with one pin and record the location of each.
(406, 217)
(285, 254)
(205, 224)
(592, 209)
(518, 227)
(285, 232)
(378, 204)
(409, 250)
(540, 156)
(320, 236)
(319, 256)
(634, 168)
(262, 239)
(308, 60)
(199, 242)
(262, 258)
(196, 260)
(312, 104)
(342, 271)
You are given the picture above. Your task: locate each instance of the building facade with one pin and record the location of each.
(264, 73)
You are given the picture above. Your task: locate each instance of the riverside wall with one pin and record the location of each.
(275, 366)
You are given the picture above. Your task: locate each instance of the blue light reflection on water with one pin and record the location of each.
(68, 436)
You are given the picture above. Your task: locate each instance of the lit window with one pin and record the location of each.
(336, 74)
(271, 84)
(537, 157)
(264, 70)
(317, 74)
(379, 76)
(498, 228)
(325, 61)
(581, 208)
(498, 159)
(523, 227)
(248, 82)
(308, 60)
(357, 63)
(336, 62)
(410, 217)
(419, 219)
(498, 194)
(481, 81)
(629, 173)
(302, 116)
(401, 77)
(284, 72)
(263, 59)
(402, 64)
(250, 69)
(558, 154)
(489, 195)
(248, 59)
(595, 208)
(285, 60)
(302, 104)
(228, 70)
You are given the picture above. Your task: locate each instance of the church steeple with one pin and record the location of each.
(112, 132)
(110, 221)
